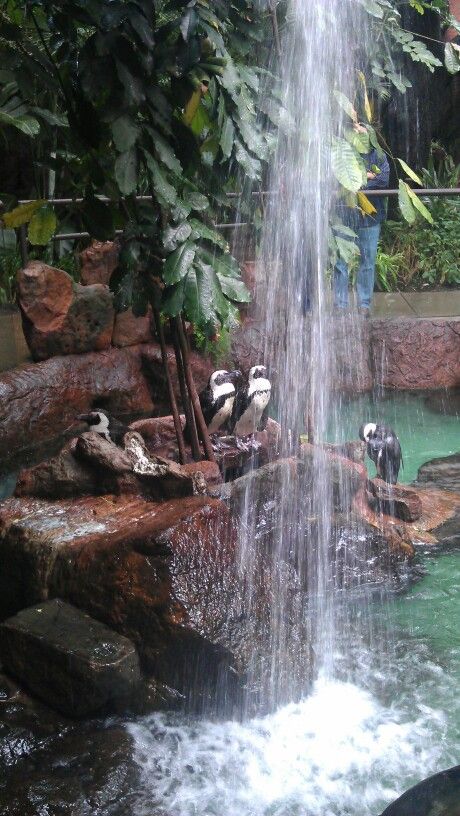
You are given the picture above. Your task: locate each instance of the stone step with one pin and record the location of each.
(71, 661)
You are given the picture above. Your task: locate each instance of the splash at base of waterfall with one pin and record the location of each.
(340, 751)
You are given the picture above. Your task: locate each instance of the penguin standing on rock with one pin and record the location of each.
(250, 409)
(384, 448)
(107, 426)
(217, 400)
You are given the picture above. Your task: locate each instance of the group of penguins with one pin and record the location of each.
(237, 408)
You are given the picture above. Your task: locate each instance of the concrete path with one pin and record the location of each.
(417, 304)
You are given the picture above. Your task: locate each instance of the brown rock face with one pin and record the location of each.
(129, 330)
(69, 660)
(161, 574)
(98, 262)
(394, 500)
(416, 354)
(38, 402)
(60, 316)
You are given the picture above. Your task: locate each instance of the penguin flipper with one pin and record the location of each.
(240, 404)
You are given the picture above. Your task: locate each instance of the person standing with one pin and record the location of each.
(367, 229)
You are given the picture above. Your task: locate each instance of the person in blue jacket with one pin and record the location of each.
(367, 229)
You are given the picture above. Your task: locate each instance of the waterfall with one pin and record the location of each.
(319, 48)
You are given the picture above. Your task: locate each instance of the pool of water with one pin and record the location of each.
(386, 719)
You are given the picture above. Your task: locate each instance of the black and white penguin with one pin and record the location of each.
(107, 426)
(250, 409)
(384, 448)
(217, 399)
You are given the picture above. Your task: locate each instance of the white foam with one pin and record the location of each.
(338, 752)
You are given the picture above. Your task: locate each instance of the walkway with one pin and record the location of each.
(417, 304)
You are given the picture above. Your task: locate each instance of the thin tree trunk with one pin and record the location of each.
(172, 396)
(188, 410)
(201, 424)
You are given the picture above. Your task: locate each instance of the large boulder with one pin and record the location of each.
(98, 262)
(69, 660)
(161, 574)
(394, 500)
(38, 402)
(443, 473)
(61, 316)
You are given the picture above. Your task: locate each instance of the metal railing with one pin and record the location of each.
(75, 236)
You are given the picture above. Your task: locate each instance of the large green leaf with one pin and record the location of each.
(164, 191)
(201, 230)
(198, 295)
(251, 166)
(26, 124)
(42, 225)
(227, 137)
(165, 152)
(420, 206)
(125, 133)
(408, 170)
(348, 168)
(196, 201)
(126, 171)
(346, 105)
(173, 299)
(452, 57)
(405, 203)
(234, 289)
(178, 263)
(21, 214)
(173, 236)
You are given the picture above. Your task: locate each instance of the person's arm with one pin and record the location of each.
(380, 180)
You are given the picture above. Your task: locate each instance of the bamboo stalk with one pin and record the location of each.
(201, 424)
(172, 396)
(189, 415)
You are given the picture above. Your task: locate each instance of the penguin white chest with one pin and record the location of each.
(222, 414)
(250, 419)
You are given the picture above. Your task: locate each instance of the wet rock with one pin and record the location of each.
(443, 472)
(161, 574)
(81, 772)
(58, 478)
(61, 316)
(98, 261)
(343, 476)
(130, 330)
(39, 402)
(399, 351)
(394, 500)
(98, 452)
(160, 438)
(69, 660)
(362, 554)
(349, 340)
(440, 795)
(439, 508)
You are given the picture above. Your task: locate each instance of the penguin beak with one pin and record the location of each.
(235, 376)
(82, 418)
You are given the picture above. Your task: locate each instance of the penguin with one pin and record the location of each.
(216, 400)
(384, 448)
(250, 409)
(107, 426)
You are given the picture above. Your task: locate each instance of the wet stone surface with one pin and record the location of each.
(69, 660)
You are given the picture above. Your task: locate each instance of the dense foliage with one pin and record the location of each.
(417, 256)
(122, 98)
(129, 97)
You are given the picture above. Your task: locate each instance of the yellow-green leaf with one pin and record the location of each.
(192, 106)
(366, 205)
(405, 203)
(22, 214)
(419, 205)
(347, 166)
(409, 172)
(42, 225)
(367, 104)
